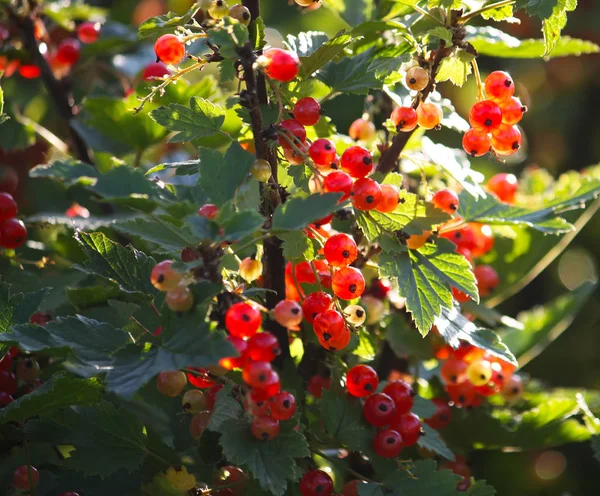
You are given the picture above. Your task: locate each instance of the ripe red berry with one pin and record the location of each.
(13, 234)
(263, 346)
(340, 250)
(361, 381)
(317, 383)
(338, 182)
(402, 394)
(499, 86)
(270, 387)
(463, 394)
(265, 428)
(307, 111)
(316, 303)
(484, 239)
(446, 200)
(322, 152)
(454, 370)
(6, 362)
(476, 143)
(201, 379)
(429, 115)
(88, 32)
(242, 320)
(380, 288)
(506, 140)
(462, 238)
(171, 382)
(288, 313)
(504, 186)
(485, 116)
(487, 279)
(256, 407)
(199, 423)
(512, 111)
(30, 71)
(362, 129)
(357, 161)
(442, 416)
(5, 399)
(283, 405)
(336, 343)
(409, 427)
(169, 49)
(155, 70)
(211, 395)
(348, 283)
(379, 409)
(295, 132)
(240, 361)
(390, 198)
(281, 65)
(329, 324)
(512, 389)
(404, 118)
(387, 443)
(23, 474)
(365, 194)
(68, 51)
(256, 374)
(208, 211)
(8, 206)
(316, 483)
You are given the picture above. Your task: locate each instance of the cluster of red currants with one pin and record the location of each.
(27, 478)
(164, 277)
(13, 232)
(493, 121)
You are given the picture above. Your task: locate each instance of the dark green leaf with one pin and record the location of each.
(69, 172)
(163, 24)
(423, 407)
(297, 246)
(168, 237)
(432, 441)
(351, 74)
(297, 213)
(226, 408)
(240, 224)
(324, 53)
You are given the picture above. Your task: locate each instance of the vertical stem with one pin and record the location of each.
(480, 95)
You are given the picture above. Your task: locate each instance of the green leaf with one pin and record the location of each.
(504, 13)
(404, 339)
(65, 15)
(439, 33)
(221, 176)
(163, 24)
(69, 172)
(238, 225)
(554, 24)
(297, 246)
(425, 278)
(201, 119)
(543, 324)
(445, 4)
(229, 34)
(491, 41)
(480, 488)
(127, 267)
(324, 54)
(257, 33)
(226, 408)
(351, 74)
(423, 407)
(59, 392)
(297, 213)
(596, 447)
(352, 11)
(432, 441)
(159, 230)
(455, 68)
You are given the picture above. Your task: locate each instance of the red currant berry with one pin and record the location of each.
(351, 488)
(88, 32)
(171, 382)
(293, 157)
(13, 234)
(499, 86)
(390, 198)
(409, 427)
(8, 206)
(379, 409)
(155, 70)
(270, 388)
(442, 416)
(240, 361)
(429, 115)
(30, 71)
(446, 200)
(387, 443)
(417, 78)
(454, 371)
(322, 152)
(323, 221)
(5, 399)
(307, 111)
(201, 379)
(68, 52)
(316, 385)
(361, 381)
(28, 369)
(26, 477)
(365, 194)
(263, 346)
(169, 49)
(211, 395)
(338, 182)
(199, 423)
(485, 116)
(256, 374)
(256, 408)
(362, 129)
(404, 118)
(513, 388)
(288, 313)
(281, 65)
(294, 131)
(9, 180)
(316, 303)
(512, 111)
(8, 382)
(316, 483)
(348, 283)
(336, 343)
(462, 238)
(380, 288)
(506, 140)
(6, 362)
(357, 161)
(163, 277)
(340, 250)
(230, 475)
(283, 405)
(265, 428)
(487, 279)
(504, 186)
(208, 211)
(193, 401)
(329, 325)
(463, 394)
(242, 320)
(476, 143)
(402, 394)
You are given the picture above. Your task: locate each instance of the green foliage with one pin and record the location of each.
(455, 68)
(297, 213)
(163, 24)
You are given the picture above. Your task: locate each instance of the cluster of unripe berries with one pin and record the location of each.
(164, 277)
(13, 232)
(493, 121)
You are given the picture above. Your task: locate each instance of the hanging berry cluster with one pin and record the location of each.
(13, 232)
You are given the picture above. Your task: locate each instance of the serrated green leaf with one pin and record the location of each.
(297, 213)
(156, 26)
(226, 408)
(325, 53)
(257, 33)
(352, 11)
(439, 33)
(554, 24)
(69, 172)
(297, 246)
(351, 74)
(432, 441)
(159, 230)
(404, 339)
(445, 4)
(480, 488)
(503, 13)
(229, 34)
(240, 224)
(455, 68)
(423, 407)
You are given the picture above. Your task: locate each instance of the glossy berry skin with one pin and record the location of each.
(322, 152)
(484, 239)
(463, 394)
(179, 299)
(316, 303)
(283, 405)
(13, 234)
(365, 194)
(316, 385)
(8, 206)
(362, 129)
(163, 277)
(454, 371)
(513, 388)
(512, 111)
(338, 182)
(504, 186)
(390, 198)
(499, 86)
(30, 71)
(256, 408)
(417, 78)
(307, 111)
(8, 382)
(240, 361)
(155, 70)
(6, 362)
(388, 443)
(316, 483)
(485, 116)
(265, 428)
(442, 416)
(241, 13)
(242, 320)
(270, 388)
(169, 49)
(361, 381)
(409, 427)
(208, 211)
(329, 324)
(21, 477)
(506, 140)
(218, 9)
(68, 51)
(340, 250)
(446, 200)
(88, 32)
(402, 394)
(355, 315)
(348, 283)
(379, 409)
(5, 399)
(380, 288)
(336, 343)
(28, 369)
(295, 132)
(250, 269)
(487, 279)
(281, 64)
(476, 143)
(462, 238)
(256, 374)
(416, 241)
(429, 115)
(404, 118)
(171, 382)
(263, 346)
(357, 161)
(193, 401)
(288, 313)
(480, 372)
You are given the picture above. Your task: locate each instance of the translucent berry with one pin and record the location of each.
(512, 111)
(463, 395)
(362, 381)
(169, 49)
(506, 140)
(480, 372)
(338, 182)
(504, 186)
(462, 238)
(261, 170)
(88, 32)
(155, 70)
(446, 200)
(250, 269)
(281, 65)
(442, 416)
(295, 158)
(476, 143)
(8, 206)
(316, 385)
(240, 361)
(357, 161)
(179, 299)
(295, 132)
(256, 374)
(487, 279)
(417, 78)
(454, 370)
(329, 325)
(390, 198)
(355, 315)
(270, 387)
(26, 477)
(513, 388)
(28, 369)
(340, 250)
(404, 118)
(13, 234)
(193, 401)
(387, 443)
(499, 86)
(429, 115)
(171, 382)
(307, 111)
(338, 342)
(409, 427)
(242, 320)
(379, 409)
(362, 129)
(256, 408)
(6, 362)
(316, 303)
(201, 379)
(241, 13)
(348, 283)
(402, 394)
(365, 194)
(316, 483)
(375, 308)
(67, 52)
(288, 313)
(163, 277)
(30, 71)
(283, 405)
(416, 241)
(485, 116)
(322, 152)
(265, 428)
(208, 211)
(263, 346)
(218, 9)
